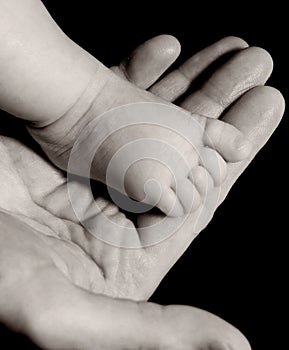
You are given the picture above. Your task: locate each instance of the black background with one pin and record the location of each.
(237, 267)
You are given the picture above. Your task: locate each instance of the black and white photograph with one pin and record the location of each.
(143, 197)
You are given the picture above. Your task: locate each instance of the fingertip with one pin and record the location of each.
(262, 56)
(150, 60)
(269, 101)
(275, 98)
(169, 45)
(257, 114)
(235, 41)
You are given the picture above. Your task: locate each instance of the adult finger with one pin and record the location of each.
(149, 61)
(246, 69)
(256, 115)
(173, 85)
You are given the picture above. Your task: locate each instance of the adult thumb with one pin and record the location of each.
(72, 318)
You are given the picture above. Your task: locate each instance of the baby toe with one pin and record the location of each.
(202, 179)
(169, 203)
(227, 140)
(214, 163)
(188, 195)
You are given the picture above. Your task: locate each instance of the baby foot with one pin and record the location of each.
(141, 146)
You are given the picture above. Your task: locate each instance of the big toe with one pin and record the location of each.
(227, 140)
(150, 182)
(188, 195)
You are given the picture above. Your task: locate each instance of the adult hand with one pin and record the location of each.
(58, 280)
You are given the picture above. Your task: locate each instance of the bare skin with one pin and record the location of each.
(62, 275)
(62, 107)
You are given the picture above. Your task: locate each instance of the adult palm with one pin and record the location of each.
(62, 286)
